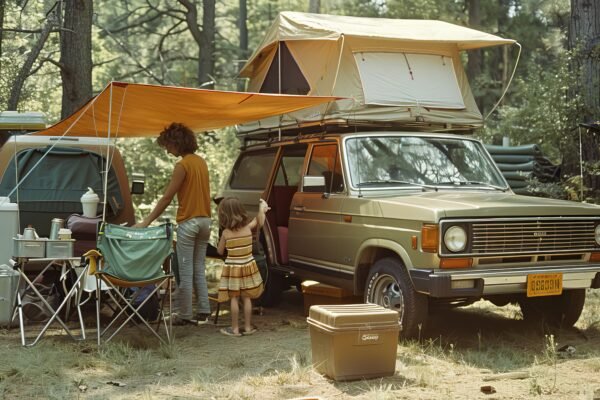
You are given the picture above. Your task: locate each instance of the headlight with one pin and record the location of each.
(455, 238)
(597, 234)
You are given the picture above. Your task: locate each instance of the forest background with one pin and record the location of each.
(55, 55)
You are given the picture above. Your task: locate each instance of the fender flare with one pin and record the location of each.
(386, 244)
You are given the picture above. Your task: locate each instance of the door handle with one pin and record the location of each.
(299, 208)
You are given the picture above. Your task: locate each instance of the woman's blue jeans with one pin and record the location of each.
(192, 240)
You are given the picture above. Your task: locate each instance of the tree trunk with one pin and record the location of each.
(207, 45)
(76, 55)
(17, 86)
(243, 25)
(314, 6)
(584, 39)
(2, 4)
(205, 39)
(474, 61)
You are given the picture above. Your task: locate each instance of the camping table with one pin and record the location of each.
(73, 294)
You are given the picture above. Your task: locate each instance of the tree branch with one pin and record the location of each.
(130, 54)
(42, 62)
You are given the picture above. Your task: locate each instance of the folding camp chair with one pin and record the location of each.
(132, 257)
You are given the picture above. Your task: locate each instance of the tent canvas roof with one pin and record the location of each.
(139, 110)
(307, 26)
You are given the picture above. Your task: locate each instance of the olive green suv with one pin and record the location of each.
(414, 221)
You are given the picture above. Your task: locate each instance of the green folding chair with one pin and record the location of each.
(133, 257)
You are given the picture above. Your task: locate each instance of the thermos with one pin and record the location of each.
(57, 225)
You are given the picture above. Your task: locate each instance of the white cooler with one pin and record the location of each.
(9, 280)
(9, 213)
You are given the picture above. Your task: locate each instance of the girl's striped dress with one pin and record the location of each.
(240, 276)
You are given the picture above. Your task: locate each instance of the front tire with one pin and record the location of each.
(389, 285)
(562, 311)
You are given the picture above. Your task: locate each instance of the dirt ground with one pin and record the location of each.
(463, 354)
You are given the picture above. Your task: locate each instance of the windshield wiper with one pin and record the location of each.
(464, 183)
(394, 181)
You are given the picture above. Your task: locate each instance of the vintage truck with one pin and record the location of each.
(386, 193)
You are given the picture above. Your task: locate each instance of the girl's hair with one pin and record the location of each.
(179, 136)
(232, 214)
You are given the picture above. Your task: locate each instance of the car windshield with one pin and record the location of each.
(409, 161)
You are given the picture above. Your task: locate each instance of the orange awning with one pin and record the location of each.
(139, 110)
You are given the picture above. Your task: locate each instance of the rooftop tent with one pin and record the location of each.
(403, 72)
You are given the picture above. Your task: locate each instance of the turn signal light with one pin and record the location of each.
(430, 238)
(456, 262)
(594, 257)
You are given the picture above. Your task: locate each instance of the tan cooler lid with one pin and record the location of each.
(350, 316)
(313, 287)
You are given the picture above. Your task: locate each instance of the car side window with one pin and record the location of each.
(252, 170)
(325, 161)
(290, 167)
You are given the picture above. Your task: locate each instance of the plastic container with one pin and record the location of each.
(9, 281)
(64, 234)
(9, 221)
(353, 341)
(89, 202)
(316, 293)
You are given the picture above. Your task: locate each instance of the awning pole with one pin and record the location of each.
(279, 81)
(580, 167)
(107, 154)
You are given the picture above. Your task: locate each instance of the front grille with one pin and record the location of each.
(528, 236)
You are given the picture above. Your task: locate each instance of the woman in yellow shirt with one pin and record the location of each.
(190, 181)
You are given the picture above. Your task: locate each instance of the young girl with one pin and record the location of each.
(240, 276)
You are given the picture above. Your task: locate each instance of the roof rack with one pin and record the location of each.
(276, 134)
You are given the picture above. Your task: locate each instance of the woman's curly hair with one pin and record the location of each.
(232, 214)
(180, 136)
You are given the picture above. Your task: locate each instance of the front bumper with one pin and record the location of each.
(477, 283)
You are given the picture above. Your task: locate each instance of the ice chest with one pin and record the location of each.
(59, 248)
(9, 280)
(353, 341)
(316, 293)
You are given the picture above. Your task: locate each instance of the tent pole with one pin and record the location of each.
(337, 71)
(508, 84)
(580, 167)
(107, 150)
(279, 80)
(17, 183)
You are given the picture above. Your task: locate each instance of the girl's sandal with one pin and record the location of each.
(229, 332)
(250, 332)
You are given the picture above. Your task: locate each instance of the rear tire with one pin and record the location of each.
(562, 311)
(389, 285)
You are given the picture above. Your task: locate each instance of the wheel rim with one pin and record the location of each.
(387, 293)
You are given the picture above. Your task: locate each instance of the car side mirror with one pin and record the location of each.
(313, 184)
(138, 182)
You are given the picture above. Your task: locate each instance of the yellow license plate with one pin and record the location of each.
(544, 284)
